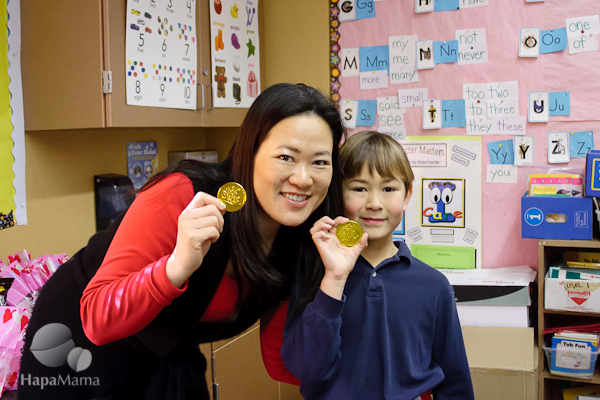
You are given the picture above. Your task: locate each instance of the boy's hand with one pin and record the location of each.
(339, 259)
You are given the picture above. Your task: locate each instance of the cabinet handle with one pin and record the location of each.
(202, 96)
(212, 100)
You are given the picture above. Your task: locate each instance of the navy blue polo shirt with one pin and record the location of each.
(394, 335)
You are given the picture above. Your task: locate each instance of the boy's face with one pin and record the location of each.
(376, 203)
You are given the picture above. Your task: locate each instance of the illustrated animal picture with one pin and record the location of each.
(425, 54)
(529, 42)
(538, 107)
(523, 150)
(443, 202)
(431, 112)
(424, 6)
(559, 147)
(221, 80)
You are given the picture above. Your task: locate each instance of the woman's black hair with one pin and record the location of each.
(262, 277)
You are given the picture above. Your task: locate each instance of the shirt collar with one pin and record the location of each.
(403, 251)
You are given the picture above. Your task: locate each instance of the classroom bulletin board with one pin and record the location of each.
(515, 54)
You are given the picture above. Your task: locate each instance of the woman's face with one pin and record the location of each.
(292, 170)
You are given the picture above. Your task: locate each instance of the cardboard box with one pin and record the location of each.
(571, 295)
(503, 362)
(210, 156)
(557, 217)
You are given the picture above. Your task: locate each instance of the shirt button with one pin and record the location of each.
(374, 274)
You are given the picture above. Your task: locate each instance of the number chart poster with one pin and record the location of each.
(235, 52)
(161, 53)
(12, 131)
(399, 51)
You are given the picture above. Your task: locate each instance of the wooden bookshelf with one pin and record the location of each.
(551, 252)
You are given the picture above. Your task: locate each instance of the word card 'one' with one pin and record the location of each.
(582, 33)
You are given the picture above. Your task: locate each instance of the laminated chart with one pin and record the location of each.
(161, 53)
(235, 53)
(442, 223)
(12, 141)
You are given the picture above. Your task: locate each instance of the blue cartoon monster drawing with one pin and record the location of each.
(441, 194)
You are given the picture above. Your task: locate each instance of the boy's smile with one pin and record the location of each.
(376, 203)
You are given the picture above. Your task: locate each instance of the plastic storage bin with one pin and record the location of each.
(571, 362)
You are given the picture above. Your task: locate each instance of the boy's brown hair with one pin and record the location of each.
(379, 152)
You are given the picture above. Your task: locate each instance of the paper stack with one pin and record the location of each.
(492, 296)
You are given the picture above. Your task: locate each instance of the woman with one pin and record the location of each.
(180, 271)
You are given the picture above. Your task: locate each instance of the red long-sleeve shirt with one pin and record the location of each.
(131, 287)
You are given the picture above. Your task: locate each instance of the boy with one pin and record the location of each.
(387, 327)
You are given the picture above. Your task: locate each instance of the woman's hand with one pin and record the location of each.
(339, 259)
(199, 225)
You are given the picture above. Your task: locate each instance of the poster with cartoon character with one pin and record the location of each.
(235, 53)
(443, 202)
(442, 223)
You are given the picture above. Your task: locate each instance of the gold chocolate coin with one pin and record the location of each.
(233, 195)
(349, 234)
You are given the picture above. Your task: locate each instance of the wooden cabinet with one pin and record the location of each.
(66, 46)
(237, 372)
(550, 253)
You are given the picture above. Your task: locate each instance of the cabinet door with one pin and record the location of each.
(61, 64)
(240, 372)
(118, 113)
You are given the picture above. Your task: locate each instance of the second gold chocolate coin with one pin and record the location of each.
(349, 234)
(233, 195)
